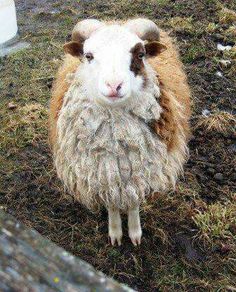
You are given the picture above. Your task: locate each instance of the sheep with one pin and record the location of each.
(119, 118)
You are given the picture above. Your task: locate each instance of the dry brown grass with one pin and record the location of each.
(219, 122)
(212, 27)
(231, 31)
(227, 16)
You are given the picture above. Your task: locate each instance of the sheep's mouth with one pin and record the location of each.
(112, 100)
(115, 97)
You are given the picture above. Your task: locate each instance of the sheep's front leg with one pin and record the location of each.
(135, 231)
(115, 225)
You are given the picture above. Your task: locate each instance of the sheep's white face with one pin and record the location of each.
(114, 60)
(108, 57)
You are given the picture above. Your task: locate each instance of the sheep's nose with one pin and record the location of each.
(114, 88)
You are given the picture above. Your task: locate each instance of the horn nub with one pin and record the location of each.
(85, 28)
(144, 28)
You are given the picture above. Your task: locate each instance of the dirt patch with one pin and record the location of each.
(185, 247)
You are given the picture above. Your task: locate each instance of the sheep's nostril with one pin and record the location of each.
(119, 87)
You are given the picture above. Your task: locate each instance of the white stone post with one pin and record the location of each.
(8, 23)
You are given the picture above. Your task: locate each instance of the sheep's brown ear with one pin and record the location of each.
(154, 48)
(73, 48)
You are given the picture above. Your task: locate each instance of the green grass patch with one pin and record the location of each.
(218, 221)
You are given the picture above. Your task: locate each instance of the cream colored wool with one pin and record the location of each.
(109, 155)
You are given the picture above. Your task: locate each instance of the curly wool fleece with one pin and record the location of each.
(109, 155)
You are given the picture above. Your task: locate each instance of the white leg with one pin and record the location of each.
(135, 231)
(115, 225)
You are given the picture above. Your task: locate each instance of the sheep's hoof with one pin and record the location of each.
(135, 236)
(115, 235)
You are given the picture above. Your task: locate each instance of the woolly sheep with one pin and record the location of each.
(119, 118)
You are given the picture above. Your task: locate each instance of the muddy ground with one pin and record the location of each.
(189, 240)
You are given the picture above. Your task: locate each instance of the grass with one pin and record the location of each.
(189, 235)
(182, 24)
(211, 27)
(218, 221)
(218, 122)
(194, 52)
(230, 32)
(227, 16)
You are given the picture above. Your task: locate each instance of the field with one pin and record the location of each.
(189, 240)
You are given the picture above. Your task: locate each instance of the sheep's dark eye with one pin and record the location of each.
(89, 56)
(140, 55)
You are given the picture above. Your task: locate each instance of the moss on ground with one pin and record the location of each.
(182, 24)
(189, 239)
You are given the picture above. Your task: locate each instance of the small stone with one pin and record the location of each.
(223, 48)
(219, 74)
(225, 63)
(218, 37)
(211, 170)
(11, 105)
(206, 112)
(232, 148)
(203, 158)
(218, 176)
